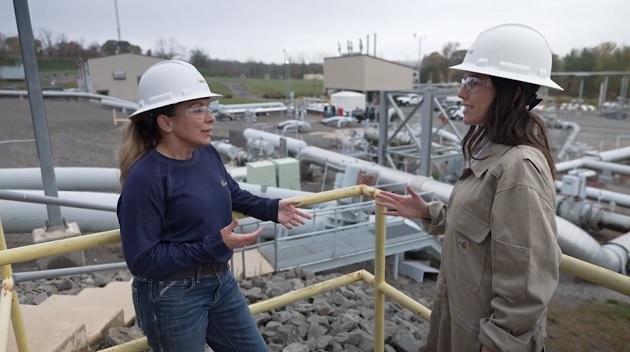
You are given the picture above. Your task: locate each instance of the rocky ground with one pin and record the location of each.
(582, 317)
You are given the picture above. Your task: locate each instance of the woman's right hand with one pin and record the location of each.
(411, 206)
(235, 240)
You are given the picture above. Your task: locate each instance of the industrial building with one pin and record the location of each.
(117, 75)
(366, 74)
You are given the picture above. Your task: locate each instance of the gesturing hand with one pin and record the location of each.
(411, 206)
(290, 216)
(234, 240)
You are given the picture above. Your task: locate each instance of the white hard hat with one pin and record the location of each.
(170, 82)
(512, 51)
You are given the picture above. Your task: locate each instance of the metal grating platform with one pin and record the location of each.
(347, 246)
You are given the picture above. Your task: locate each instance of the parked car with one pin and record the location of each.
(409, 99)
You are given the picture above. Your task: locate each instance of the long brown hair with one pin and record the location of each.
(141, 134)
(510, 122)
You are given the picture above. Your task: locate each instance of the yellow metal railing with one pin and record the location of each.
(573, 266)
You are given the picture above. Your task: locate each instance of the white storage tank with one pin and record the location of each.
(348, 101)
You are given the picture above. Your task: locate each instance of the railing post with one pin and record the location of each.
(335, 235)
(379, 269)
(16, 314)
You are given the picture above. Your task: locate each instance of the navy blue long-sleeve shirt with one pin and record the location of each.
(171, 212)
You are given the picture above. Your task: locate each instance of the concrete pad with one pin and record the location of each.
(48, 334)
(255, 264)
(76, 258)
(60, 308)
(114, 298)
(117, 294)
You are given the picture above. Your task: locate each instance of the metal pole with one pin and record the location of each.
(581, 92)
(38, 113)
(425, 134)
(53, 273)
(379, 271)
(33, 198)
(374, 42)
(117, 19)
(383, 127)
(603, 90)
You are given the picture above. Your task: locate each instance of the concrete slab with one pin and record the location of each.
(115, 294)
(60, 308)
(49, 334)
(255, 264)
(76, 258)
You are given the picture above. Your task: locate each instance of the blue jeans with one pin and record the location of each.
(182, 315)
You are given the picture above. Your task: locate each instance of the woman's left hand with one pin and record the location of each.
(290, 216)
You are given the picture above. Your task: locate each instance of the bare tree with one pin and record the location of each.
(449, 48)
(3, 45)
(199, 58)
(169, 49)
(49, 41)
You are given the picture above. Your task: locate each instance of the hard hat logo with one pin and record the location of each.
(512, 51)
(170, 82)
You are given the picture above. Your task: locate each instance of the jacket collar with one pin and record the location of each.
(489, 158)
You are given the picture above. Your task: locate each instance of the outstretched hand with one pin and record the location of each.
(290, 216)
(235, 240)
(411, 206)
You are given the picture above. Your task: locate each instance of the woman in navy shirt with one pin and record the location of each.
(175, 214)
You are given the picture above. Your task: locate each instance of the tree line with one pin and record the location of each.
(49, 45)
(607, 56)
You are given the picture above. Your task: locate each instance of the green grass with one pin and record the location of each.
(238, 100)
(278, 87)
(219, 88)
(265, 89)
(57, 65)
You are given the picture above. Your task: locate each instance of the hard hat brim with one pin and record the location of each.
(211, 96)
(492, 71)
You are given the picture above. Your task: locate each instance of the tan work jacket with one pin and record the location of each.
(500, 257)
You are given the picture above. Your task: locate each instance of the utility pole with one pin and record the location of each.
(117, 18)
(287, 63)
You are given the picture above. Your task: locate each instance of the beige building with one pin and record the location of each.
(118, 75)
(365, 73)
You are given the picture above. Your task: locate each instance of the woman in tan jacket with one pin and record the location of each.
(500, 258)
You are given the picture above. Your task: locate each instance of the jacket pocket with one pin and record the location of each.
(510, 269)
(470, 247)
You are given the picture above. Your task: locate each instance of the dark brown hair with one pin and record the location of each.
(510, 122)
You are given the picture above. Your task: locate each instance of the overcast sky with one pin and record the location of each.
(260, 30)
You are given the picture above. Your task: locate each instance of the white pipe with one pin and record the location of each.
(385, 174)
(573, 240)
(607, 166)
(575, 130)
(602, 194)
(577, 243)
(91, 179)
(591, 216)
(64, 94)
(24, 217)
(231, 151)
(615, 154)
(293, 145)
(609, 155)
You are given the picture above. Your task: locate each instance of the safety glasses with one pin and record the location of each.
(198, 112)
(470, 83)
